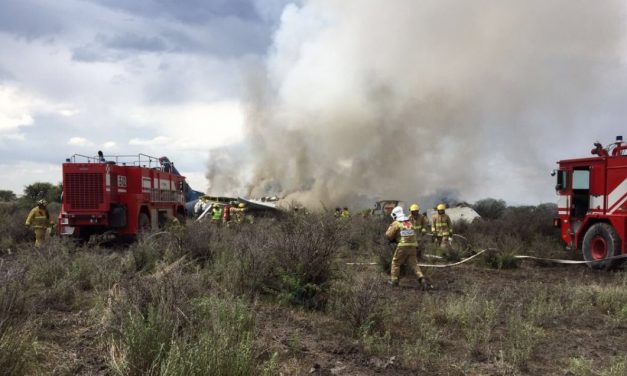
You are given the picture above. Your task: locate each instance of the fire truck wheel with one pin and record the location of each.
(144, 222)
(601, 241)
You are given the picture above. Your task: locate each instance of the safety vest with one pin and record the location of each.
(441, 225)
(38, 218)
(406, 235)
(216, 214)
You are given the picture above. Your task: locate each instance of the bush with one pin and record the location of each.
(520, 341)
(12, 218)
(358, 302)
(17, 340)
(221, 342)
(490, 208)
(290, 259)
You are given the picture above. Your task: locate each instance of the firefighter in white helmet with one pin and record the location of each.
(442, 227)
(402, 232)
(39, 220)
(420, 224)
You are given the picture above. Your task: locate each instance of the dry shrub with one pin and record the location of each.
(17, 340)
(357, 301)
(12, 218)
(290, 259)
(365, 234)
(526, 229)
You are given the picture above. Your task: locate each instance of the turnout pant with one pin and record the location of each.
(404, 255)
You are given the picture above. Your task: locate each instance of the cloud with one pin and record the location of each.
(157, 141)
(80, 141)
(16, 176)
(193, 126)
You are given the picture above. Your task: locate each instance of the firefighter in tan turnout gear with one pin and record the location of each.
(39, 220)
(420, 224)
(402, 232)
(442, 227)
(239, 213)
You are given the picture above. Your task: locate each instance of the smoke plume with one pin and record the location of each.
(363, 99)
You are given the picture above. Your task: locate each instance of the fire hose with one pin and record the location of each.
(518, 257)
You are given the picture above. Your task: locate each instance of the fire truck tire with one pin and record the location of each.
(144, 222)
(601, 241)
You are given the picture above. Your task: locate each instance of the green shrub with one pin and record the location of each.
(220, 344)
(520, 341)
(581, 366)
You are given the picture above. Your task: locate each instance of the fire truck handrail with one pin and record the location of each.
(139, 160)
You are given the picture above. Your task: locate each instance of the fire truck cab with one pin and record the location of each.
(592, 205)
(118, 196)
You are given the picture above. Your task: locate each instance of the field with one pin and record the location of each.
(280, 297)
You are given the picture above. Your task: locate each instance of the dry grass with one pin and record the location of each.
(277, 296)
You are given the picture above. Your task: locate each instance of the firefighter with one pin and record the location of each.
(216, 213)
(345, 213)
(442, 227)
(338, 212)
(402, 232)
(420, 224)
(239, 213)
(39, 220)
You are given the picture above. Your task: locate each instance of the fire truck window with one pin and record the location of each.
(561, 180)
(581, 179)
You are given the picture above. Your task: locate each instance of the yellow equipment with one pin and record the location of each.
(414, 207)
(441, 207)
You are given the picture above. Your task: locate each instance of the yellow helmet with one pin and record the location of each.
(441, 207)
(241, 205)
(414, 207)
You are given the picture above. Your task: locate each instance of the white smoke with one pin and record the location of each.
(403, 98)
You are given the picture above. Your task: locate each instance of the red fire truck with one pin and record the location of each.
(119, 195)
(592, 204)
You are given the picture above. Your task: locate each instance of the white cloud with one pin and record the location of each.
(109, 145)
(79, 141)
(159, 140)
(191, 126)
(15, 111)
(16, 176)
(69, 112)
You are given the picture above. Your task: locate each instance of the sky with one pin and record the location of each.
(315, 100)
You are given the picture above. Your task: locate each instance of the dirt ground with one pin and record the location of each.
(71, 342)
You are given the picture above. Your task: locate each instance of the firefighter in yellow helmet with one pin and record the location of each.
(420, 224)
(442, 227)
(402, 232)
(239, 213)
(39, 220)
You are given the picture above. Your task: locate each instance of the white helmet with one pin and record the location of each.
(398, 214)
